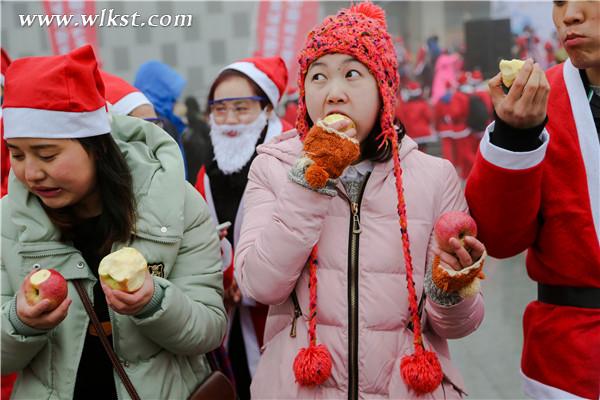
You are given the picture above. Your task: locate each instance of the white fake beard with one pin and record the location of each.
(232, 153)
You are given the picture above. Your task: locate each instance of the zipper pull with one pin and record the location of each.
(355, 219)
(297, 314)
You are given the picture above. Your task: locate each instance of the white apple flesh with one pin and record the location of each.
(46, 284)
(125, 270)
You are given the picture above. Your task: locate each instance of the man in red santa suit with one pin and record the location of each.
(242, 102)
(482, 91)
(416, 115)
(461, 132)
(444, 124)
(538, 189)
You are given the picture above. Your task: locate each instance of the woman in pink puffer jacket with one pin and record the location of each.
(362, 309)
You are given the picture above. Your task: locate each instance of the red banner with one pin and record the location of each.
(65, 37)
(282, 29)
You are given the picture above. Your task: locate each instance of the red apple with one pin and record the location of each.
(453, 224)
(46, 284)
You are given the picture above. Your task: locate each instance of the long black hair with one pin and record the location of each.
(372, 149)
(115, 185)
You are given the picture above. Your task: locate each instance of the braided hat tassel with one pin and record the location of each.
(312, 365)
(421, 371)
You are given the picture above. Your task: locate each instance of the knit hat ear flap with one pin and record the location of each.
(420, 371)
(312, 365)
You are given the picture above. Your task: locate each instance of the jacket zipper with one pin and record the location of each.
(353, 249)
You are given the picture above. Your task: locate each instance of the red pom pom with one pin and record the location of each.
(370, 10)
(312, 365)
(421, 372)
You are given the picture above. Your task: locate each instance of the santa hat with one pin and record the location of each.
(269, 73)
(413, 89)
(465, 84)
(361, 32)
(3, 65)
(55, 97)
(122, 96)
(476, 77)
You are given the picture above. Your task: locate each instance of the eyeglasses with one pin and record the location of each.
(156, 121)
(242, 107)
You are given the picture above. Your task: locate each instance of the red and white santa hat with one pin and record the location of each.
(3, 65)
(269, 73)
(476, 77)
(55, 97)
(122, 96)
(413, 89)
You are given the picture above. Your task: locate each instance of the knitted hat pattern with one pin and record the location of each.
(361, 32)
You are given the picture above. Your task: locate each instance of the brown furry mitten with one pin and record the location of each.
(328, 152)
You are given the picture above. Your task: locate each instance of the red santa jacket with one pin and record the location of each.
(443, 118)
(416, 115)
(548, 201)
(459, 111)
(484, 94)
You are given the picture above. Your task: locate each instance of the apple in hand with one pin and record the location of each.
(510, 69)
(125, 269)
(453, 224)
(46, 284)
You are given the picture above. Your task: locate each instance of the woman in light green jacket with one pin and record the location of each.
(77, 193)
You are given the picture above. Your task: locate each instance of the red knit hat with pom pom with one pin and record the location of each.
(361, 32)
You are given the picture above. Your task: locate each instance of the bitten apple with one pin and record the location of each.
(509, 70)
(125, 269)
(333, 118)
(46, 284)
(453, 224)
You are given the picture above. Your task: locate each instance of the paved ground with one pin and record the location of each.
(489, 359)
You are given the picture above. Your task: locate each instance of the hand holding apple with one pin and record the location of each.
(462, 255)
(455, 233)
(46, 284)
(42, 301)
(459, 256)
(130, 303)
(124, 269)
(526, 103)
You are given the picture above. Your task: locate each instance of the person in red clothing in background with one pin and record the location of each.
(291, 106)
(483, 92)
(538, 189)
(471, 109)
(443, 123)
(459, 112)
(242, 101)
(416, 115)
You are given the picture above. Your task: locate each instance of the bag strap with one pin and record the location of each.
(89, 308)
